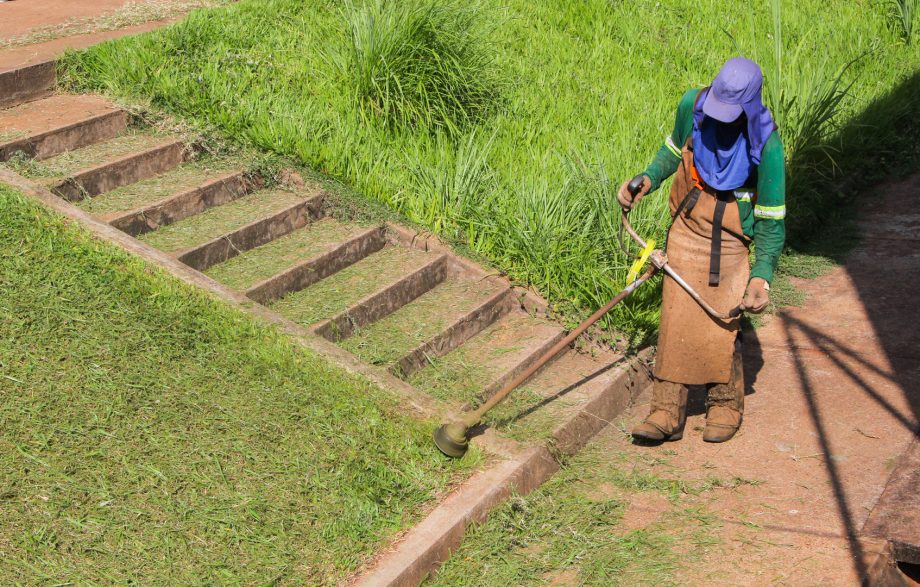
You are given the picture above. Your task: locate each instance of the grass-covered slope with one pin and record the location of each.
(150, 434)
(508, 124)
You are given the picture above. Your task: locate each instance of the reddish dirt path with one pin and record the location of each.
(18, 17)
(834, 400)
(27, 55)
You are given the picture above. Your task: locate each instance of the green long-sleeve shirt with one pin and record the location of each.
(762, 200)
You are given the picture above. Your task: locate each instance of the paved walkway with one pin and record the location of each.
(833, 403)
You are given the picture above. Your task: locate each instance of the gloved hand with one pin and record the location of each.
(756, 297)
(626, 199)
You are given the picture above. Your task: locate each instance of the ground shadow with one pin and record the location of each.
(877, 146)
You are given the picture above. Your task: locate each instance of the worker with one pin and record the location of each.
(728, 192)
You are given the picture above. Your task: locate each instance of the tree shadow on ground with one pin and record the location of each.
(861, 204)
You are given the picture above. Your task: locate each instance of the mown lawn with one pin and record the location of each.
(611, 517)
(507, 125)
(150, 434)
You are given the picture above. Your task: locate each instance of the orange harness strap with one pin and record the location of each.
(696, 177)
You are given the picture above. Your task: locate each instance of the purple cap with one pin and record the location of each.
(739, 82)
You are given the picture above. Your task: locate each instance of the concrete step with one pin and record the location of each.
(54, 125)
(224, 232)
(567, 402)
(437, 320)
(24, 84)
(896, 516)
(216, 222)
(102, 167)
(310, 271)
(386, 300)
(189, 189)
(334, 295)
(278, 257)
(485, 362)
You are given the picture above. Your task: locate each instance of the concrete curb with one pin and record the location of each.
(427, 545)
(896, 515)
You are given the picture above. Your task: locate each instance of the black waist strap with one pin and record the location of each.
(715, 253)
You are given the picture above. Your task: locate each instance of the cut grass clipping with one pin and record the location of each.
(148, 431)
(508, 125)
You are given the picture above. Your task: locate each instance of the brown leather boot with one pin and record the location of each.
(668, 413)
(725, 405)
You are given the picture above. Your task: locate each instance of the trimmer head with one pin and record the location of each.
(451, 439)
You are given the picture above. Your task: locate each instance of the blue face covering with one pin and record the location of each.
(721, 153)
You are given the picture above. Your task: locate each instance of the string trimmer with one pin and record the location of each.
(452, 438)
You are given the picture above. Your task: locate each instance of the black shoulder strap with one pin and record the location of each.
(686, 205)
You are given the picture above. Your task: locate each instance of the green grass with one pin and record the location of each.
(150, 433)
(571, 529)
(580, 96)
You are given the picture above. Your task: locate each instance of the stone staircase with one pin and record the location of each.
(392, 299)
(429, 317)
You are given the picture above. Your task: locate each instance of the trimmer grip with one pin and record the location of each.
(735, 312)
(635, 184)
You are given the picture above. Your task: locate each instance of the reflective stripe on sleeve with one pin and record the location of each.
(671, 146)
(744, 195)
(773, 212)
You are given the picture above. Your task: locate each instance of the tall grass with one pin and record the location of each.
(451, 196)
(420, 62)
(513, 139)
(902, 14)
(807, 99)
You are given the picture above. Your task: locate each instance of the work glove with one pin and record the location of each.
(757, 296)
(626, 199)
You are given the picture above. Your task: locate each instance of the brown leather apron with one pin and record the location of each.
(693, 347)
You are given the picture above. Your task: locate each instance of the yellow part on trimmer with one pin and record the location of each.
(640, 262)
